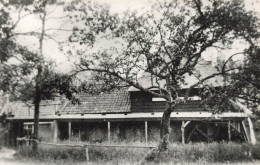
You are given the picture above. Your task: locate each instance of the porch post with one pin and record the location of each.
(245, 130)
(10, 133)
(238, 126)
(69, 130)
(7, 135)
(108, 131)
(55, 131)
(146, 132)
(182, 132)
(210, 132)
(183, 125)
(251, 131)
(229, 130)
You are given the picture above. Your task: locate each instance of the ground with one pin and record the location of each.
(16, 162)
(7, 158)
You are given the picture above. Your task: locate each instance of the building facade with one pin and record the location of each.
(128, 115)
(123, 115)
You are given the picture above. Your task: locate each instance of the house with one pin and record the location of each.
(18, 119)
(127, 115)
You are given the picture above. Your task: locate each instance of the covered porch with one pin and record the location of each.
(144, 127)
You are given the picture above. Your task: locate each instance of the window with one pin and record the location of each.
(28, 130)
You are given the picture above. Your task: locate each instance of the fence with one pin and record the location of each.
(85, 146)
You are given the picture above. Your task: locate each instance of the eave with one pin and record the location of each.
(156, 116)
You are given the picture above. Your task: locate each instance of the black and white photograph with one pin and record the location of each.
(123, 82)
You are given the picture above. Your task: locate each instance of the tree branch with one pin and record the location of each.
(207, 78)
(131, 83)
(224, 65)
(59, 29)
(19, 18)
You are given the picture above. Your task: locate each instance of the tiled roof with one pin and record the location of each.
(117, 101)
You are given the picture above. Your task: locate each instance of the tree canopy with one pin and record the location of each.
(19, 64)
(25, 71)
(167, 41)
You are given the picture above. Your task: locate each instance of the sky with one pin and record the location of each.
(64, 64)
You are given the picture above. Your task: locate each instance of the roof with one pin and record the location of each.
(21, 109)
(202, 70)
(117, 101)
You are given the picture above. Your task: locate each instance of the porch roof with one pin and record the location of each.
(199, 116)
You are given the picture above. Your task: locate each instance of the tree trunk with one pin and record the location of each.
(37, 101)
(165, 130)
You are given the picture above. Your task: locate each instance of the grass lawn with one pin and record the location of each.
(197, 153)
(64, 162)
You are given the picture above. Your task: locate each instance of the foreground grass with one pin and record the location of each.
(198, 153)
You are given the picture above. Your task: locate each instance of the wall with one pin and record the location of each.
(45, 132)
(19, 129)
(129, 131)
(175, 135)
(63, 130)
(120, 131)
(92, 131)
(142, 102)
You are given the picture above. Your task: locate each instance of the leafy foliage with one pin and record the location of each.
(53, 83)
(241, 83)
(19, 65)
(167, 40)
